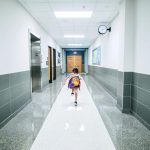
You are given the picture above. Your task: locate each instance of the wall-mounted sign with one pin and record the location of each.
(58, 57)
(96, 56)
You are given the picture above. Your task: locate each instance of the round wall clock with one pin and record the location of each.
(102, 29)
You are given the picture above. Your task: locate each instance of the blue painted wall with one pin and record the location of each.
(79, 52)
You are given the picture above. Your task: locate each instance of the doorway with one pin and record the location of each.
(54, 64)
(50, 64)
(35, 63)
(74, 62)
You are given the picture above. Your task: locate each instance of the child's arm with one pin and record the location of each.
(67, 78)
(80, 77)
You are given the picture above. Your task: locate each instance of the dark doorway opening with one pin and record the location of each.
(50, 64)
(54, 64)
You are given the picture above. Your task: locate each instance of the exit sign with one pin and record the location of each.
(74, 52)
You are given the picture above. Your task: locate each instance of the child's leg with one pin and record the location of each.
(76, 94)
(72, 93)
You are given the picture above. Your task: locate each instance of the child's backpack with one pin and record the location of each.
(74, 82)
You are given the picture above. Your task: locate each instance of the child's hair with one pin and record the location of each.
(75, 70)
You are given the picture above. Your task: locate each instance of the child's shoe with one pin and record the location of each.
(75, 103)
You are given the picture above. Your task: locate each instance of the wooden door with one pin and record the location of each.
(78, 63)
(74, 62)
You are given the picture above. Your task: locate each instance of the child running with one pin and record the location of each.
(74, 83)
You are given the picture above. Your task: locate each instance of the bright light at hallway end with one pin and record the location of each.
(74, 36)
(73, 14)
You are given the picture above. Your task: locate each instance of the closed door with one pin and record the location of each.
(74, 62)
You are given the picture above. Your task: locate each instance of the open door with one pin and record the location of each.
(50, 64)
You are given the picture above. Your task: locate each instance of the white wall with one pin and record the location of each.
(127, 47)
(128, 8)
(109, 44)
(142, 37)
(126, 36)
(15, 22)
(113, 44)
(121, 29)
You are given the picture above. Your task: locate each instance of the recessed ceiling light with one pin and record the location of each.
(74, 44)
(73, 36)
(73, 14)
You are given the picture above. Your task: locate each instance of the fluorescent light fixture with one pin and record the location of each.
(73, 14)
(73, 36)
(82, 128)
(74, 44)
(66, 126)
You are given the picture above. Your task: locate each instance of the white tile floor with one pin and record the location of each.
(73, 128)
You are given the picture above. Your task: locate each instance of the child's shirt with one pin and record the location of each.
(74, 75)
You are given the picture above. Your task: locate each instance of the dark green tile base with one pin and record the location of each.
(15, 92)
(124, 91)
(5, 112)
(4, 82)
(140, 95)
(131, 90)
(10, 116)
(107, 77)
(141, 120)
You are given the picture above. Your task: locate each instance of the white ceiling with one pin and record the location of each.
(43, 11)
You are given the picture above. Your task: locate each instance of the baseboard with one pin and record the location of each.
(141, 120)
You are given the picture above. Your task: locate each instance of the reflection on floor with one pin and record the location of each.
(20, 132)
(126, 131)
(70, 127)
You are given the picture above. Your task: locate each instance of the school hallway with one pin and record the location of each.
(42, 42)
